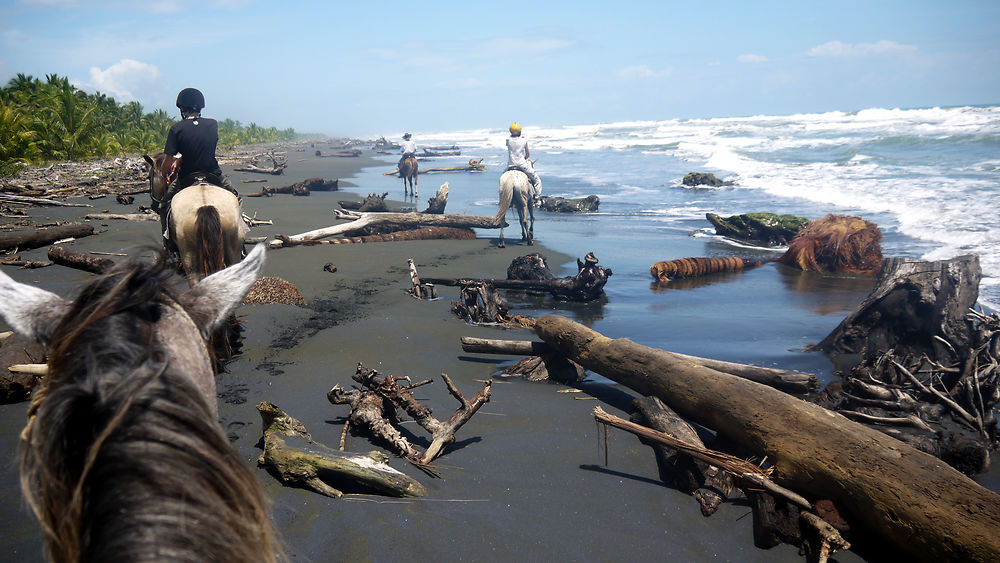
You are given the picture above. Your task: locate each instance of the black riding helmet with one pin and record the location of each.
(190, 98)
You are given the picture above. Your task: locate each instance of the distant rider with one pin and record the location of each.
(194, 138)
(408, 148)
(518, 158)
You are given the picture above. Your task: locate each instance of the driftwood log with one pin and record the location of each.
(373, 409)
(436, 204)
(914, 305)
(358, 223)
(79, 260)
(44, 236)
(587, 285)
(122, 217)
(710, 485)
(290, 450)
(786, 380)
(27, 200)
(16, 260)
(303, 188)
(901, 496)
(278, 162)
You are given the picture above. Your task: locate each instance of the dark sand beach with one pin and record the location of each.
(526, 479)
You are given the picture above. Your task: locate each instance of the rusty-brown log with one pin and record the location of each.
(699, 266)
(44, 236)
(79, 260)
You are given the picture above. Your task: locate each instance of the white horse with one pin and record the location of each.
(515, 187)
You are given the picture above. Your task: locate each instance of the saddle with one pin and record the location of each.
(198, 178)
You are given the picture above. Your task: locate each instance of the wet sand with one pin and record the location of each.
(526, 479)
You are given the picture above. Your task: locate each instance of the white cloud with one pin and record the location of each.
(751, 58)
(838, 49)
(126, 80)
(643, 71)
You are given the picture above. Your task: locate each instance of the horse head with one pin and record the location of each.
(123, 434)
(162, 169)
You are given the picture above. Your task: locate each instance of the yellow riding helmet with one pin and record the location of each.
(515, 128)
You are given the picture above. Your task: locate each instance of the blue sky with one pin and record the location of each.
(369, 68)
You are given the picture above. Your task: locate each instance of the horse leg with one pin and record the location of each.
(531, 225)
(414, 183)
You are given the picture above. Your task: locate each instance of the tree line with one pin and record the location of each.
(48, 120)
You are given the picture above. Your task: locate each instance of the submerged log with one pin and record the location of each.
(290, 450)
(903, 497)
(44, 236)
(691, 267)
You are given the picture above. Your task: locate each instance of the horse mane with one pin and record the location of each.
(122, 458)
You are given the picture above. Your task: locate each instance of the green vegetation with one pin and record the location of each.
(48, 120)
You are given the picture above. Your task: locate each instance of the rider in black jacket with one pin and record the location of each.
(195, 138)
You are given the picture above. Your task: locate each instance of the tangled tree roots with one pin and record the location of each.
(691, 267)
(836, 243)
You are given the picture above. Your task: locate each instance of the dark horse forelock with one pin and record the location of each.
(123, 458)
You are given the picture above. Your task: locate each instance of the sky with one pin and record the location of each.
(364, 69)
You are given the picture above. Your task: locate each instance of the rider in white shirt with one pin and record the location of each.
(408, 148)
(518, 158)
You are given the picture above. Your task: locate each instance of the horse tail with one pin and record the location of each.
(506, 195)
(211, 249)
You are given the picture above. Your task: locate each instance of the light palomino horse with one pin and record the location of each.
(205, 221)
(123, 458)
(516, 188)
(408, 172)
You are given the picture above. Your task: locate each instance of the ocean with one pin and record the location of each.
(929, 178)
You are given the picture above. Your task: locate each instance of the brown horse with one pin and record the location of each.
(123, 457)
(515, 188)
(408, 172)
(205, 221)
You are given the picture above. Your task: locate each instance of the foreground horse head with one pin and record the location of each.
(123, 457)
(516, 188)
(207, 226)
(162, 170)
(408, 172)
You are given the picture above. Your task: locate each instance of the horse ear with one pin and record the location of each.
(30, 311)
(214, 298)
(149, 161)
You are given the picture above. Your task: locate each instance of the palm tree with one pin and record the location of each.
(67, 123)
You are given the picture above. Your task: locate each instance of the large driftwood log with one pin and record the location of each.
(359, 222)
(913, 303)
(902, 496)
(291, 451)
(79, 260)
(20, 199)
(786, 380)
(44, 236)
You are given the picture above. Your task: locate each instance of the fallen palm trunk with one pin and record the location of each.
(360, 222)
(79, 260)
(787, 380)
(699, 266)
(902, 496)
(291, 451)
(44, 236)
(122, 217)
